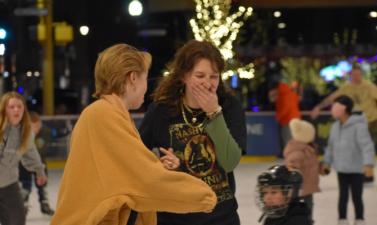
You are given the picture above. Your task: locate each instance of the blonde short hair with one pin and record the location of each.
(115, 64)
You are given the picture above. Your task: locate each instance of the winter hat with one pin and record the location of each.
(302, 131)
(346, 101)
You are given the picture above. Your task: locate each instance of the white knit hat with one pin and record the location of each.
(302, 130)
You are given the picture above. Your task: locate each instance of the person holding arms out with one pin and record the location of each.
(109, 171)
(363, 94)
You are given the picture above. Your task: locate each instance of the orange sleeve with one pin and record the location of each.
(126, 166)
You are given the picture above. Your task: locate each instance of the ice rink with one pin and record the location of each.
(325, 203)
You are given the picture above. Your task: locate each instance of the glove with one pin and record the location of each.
(324, 169)
(368, 171)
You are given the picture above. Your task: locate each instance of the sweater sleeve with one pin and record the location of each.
(365, 143)
(126, 167)
(31, 160)
(328, 153)
(372, 90)
(228, 152)
(228, 132)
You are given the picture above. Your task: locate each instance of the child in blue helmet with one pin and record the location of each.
(277, 197)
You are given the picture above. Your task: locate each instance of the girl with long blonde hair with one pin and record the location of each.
(16, 145)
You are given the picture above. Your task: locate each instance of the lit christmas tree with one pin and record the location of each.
(215, 23)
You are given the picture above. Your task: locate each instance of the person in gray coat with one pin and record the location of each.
(350, 151)
(16, 145)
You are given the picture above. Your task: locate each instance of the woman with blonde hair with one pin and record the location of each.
(109, 171)
(17, 145)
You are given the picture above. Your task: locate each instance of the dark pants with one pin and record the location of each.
(285, 137)
(12, 211)
(353, 181)
(26, 179)
(308, 199)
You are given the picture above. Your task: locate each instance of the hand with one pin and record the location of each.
(315, 112)
(324, 169)
(208, 211)
(169, 160)
(273, 95)
(368, 171)
(206, 97)
(41, 180)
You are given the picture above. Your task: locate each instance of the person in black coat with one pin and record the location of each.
(277, 197)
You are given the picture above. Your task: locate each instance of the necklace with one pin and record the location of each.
(194, 114)
(194, 117)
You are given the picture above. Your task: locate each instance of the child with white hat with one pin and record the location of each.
(299, 154)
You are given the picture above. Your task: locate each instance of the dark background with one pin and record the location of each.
(308, 26)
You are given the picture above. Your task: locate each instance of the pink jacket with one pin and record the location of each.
(301, 156)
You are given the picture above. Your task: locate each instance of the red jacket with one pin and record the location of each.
(287, 104)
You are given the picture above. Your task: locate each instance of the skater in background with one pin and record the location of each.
(17, 145)
(300, 154)
(350, 152)
(287, 107)
(363, 94)
(277, 197)
(42, 138)
(109, 170)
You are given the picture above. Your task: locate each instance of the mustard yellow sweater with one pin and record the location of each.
(109, 171)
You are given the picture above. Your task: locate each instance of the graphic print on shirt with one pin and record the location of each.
(196, 151)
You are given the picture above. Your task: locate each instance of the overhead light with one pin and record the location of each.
(373, 14)
(2, 49)
(84, 30)
(277, 14)
(282, 25)
(3, 33)
(6, 74)
(135, 8)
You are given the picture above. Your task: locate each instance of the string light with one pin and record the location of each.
(214, 23)
(246, 72)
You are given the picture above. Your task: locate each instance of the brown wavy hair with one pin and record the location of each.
(115, 64)
(171, 88)
(25, 121)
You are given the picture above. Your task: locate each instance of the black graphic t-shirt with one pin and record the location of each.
(196, 151)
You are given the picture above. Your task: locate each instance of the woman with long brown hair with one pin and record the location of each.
(197, 119)
(17, 144)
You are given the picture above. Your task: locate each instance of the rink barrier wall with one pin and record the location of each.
(263, 139)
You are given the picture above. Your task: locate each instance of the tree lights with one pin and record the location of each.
(215, 23)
